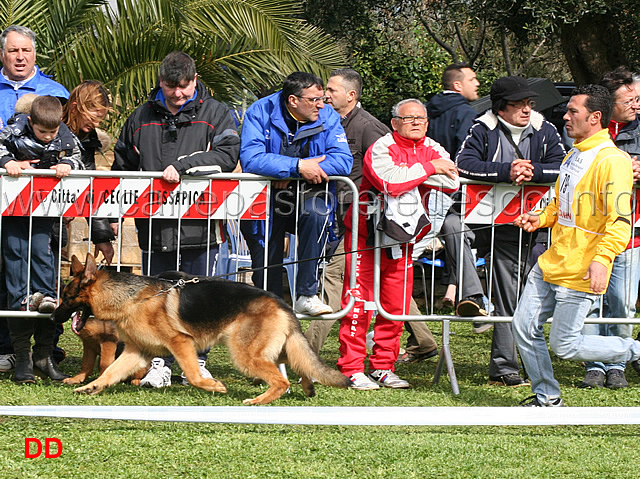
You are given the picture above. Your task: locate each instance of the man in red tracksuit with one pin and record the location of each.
(404, 162)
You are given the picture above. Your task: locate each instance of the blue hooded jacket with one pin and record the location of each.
(265, 137)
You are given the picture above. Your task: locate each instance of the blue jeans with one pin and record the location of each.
(313, 220)
(16, 238)
(619, 302)
(539, 302)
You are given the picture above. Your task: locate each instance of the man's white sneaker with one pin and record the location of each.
(7, 362)
(203, 371)
(311, 306)
(388, 379)
(158, 375)
(361, 382)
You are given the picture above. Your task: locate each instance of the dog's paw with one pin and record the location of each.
(89, 389)
(74, 380)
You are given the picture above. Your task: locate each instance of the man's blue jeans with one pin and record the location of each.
(619, 302)
(569, 308)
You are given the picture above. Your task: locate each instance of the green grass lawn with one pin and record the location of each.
(107, 448)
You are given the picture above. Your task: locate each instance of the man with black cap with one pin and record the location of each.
(511, 143)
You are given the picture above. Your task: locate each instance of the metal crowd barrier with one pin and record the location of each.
(489, 206)
(120, 195)
(239, 197)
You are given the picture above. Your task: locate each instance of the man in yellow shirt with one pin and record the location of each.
(590, 216)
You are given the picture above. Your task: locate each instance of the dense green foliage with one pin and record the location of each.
(242, 48)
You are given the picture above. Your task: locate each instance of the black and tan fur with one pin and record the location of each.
(153, 319)
(100, 339)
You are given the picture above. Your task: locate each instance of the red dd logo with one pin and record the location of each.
(29, 452)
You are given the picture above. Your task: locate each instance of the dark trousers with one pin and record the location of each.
(509, 258)
(15, 250)
(457, 245)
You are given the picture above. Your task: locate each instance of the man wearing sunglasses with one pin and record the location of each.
(511, 143)
(293, 134)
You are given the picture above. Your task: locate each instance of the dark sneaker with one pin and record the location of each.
(511, 380)
(616, 379)
(479, 328)
(635, 365)
(593, 379)
(470, 307)
(532, 401)
(410, 358)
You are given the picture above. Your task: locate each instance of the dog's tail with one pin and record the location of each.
(306, 362)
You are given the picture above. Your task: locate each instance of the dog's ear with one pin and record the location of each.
(76, 265)
(90, 268)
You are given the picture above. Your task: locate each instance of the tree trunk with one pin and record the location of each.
(592, 46)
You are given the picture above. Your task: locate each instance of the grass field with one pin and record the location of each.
(120, 449)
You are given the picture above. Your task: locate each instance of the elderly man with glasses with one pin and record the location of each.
(293, 134)
(403, 167)
(511, 143)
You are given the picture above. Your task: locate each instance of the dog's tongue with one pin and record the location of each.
(76, 321)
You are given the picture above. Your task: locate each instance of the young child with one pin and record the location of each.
(35, 140)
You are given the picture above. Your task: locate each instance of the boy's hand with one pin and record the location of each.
(14, 168)
(62, 170)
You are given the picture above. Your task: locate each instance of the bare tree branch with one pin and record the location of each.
(451, 50)
(533, 57)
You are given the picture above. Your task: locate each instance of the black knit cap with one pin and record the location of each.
(511, 89)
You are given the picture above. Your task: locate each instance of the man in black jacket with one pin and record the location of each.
(450, 114)
(179, 130)
(362, 129)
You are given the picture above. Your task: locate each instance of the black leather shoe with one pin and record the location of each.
(24, 371)
(49, 368)
(410, 358)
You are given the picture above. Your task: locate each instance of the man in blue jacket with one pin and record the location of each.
(292, 134)
(20, 73)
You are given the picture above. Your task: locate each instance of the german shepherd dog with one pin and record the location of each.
(155, 317)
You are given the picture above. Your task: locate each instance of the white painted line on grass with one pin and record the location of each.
(347, 416)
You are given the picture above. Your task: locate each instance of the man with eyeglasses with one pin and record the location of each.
(622, 292)
(511, 143)
(403, 164)
(293, 134)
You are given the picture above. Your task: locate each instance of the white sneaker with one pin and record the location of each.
(7, 362)
(362, 382)
(311, 306)
(158, 376)
(203, 371)
(388, 379)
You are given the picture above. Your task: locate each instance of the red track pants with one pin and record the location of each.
(354, 326)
